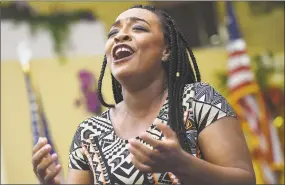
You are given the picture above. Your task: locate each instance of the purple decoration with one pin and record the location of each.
(87, 85)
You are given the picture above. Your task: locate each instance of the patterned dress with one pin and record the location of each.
(107, 157)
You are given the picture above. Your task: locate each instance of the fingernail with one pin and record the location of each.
(58, 166)
(47, 146)
(54, 155)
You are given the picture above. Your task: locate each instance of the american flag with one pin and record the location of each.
(247, 100)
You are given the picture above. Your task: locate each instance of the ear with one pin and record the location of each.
(165, 54)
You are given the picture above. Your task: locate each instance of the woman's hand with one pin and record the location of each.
(44, 164)
(165, 153)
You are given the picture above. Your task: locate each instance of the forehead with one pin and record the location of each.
(139, 13)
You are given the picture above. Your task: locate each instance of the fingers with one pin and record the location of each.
(46, 162)
(165, 129)
(46, 170)
(41, 142)
(40, 154)
(156, 144)
(43, 163)
(140, 166)
(49, 178)
(141, 152)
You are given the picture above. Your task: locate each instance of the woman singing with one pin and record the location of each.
(166, 126)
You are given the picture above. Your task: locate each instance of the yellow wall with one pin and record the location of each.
(106, 11)
(59, 88)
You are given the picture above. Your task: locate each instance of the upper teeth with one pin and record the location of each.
(123, 49)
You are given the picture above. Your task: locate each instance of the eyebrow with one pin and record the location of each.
(134, 19)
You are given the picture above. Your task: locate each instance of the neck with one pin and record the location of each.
(143, 101)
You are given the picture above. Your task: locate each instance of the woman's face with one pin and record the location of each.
(135, 45)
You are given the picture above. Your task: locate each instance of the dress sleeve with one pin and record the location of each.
(209, 105)
(77, 160)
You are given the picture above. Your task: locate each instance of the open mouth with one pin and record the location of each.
(122, 52)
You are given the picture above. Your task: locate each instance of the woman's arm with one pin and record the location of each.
(79, 177)
(227, 158)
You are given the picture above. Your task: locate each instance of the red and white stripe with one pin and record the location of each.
(252, 114)
(238, 65)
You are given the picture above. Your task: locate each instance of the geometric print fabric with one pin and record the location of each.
(97, 148)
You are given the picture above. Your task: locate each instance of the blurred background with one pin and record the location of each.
(51, 56)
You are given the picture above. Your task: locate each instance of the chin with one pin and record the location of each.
(122, 73)
(123, 70)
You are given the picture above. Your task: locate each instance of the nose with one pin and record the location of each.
(121, 37)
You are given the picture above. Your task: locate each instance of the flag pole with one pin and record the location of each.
(38, 117)
(25, 54)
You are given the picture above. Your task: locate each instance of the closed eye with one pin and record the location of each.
(112, 32)
(115, 31)
(140, 28)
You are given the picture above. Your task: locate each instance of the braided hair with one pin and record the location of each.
(178, 69)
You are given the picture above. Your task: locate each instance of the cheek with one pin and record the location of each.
(153, 42)
(153, 48)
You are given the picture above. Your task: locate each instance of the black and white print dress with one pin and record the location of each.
(107, 157)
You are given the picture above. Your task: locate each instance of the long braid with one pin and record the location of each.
(197, 72)
(171, 85)
(198, 75)
(186, 45)
(114, 88)
(182, 69)
(99, 89)
(117, 90)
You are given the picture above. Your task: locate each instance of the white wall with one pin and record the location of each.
(86, 38)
